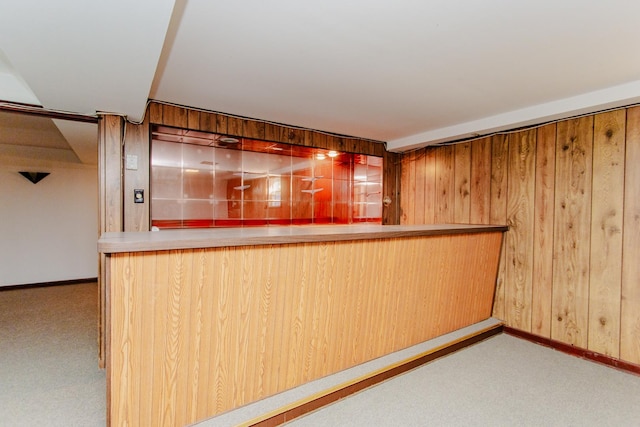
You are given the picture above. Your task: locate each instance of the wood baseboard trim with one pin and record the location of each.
(326, 397)
(575, 351)
(44, 284)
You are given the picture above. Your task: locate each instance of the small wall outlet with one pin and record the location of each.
(138, 196)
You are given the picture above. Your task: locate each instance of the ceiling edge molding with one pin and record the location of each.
(37, 110)
(613, 97)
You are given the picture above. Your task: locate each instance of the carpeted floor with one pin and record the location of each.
(49, 376)
(49, 373)
(503, 381)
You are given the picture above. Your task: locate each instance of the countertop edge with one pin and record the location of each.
(118, 242)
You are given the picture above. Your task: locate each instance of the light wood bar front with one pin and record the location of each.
(203, 321)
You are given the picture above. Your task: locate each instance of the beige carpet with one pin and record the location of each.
(503, 381)
(49, 376)
(49, 373)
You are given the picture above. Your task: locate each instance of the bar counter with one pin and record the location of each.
(199, 322)
(221, 237)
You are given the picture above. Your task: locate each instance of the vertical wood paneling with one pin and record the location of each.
(310, 140)
(225, 350)
(405, 194)
(410, 203)
(110, 157)
(208, 122)
(155, 112)
(120, 352)
(375, 308)
(420, 190)
(253, 129)
(285, 315)
(196, 325)
(264, 302)
(213, 343)
(445, 185)
(310, 331)
(202, 370)
(429, 186)
(175, 116)
(234, 126)
(228, 326)
(248, 310)
(498, 212)
(297, 309)
(338, 307)
(296, 136)
(543, 231)
(305, 340)
(110, 209)
(630, 314)
(577, 247)
(412, 269)
(322, 311)
(158, 331)
(519, 239)
(255, 352)
(325, 318)
(605, 272)
(148, 298)
(462, 173)
(185, 330)
(357, 300)
(337, 142)
(171, 351)
(345, 302)
(222, 124)
(572, 231)
(187, 118)
(395, 329)
(390, 187)
(479, 211)
(139, 275)
(238, 312)
(193, 119)
(136, 215)
(271, 132)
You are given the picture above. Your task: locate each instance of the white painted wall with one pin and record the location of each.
(48, 231)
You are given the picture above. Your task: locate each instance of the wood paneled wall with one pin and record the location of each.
(137, 142)
(570, 193)
(186, 118)
(110, 211)
(110, 133)
(197, 332)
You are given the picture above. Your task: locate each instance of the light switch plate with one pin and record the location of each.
(131, 162)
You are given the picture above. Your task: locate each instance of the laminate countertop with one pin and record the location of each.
(116, 242)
